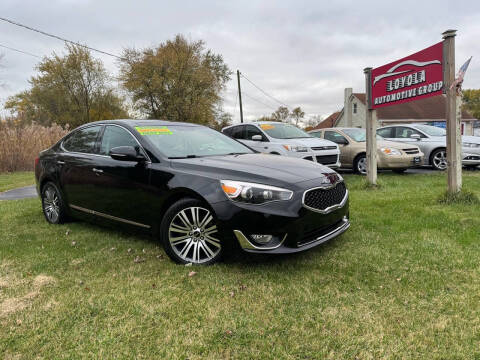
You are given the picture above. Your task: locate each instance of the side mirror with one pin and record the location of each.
(415, 136)
(126, 153)
(342, 141)
(257, 138)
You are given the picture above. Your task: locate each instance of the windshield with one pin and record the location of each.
(432, 130)
(284, 131)
(177, 141)
(358, 135)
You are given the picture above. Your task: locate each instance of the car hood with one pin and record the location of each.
(394, 144)
(262, 168)
(471, 139)
(309, 142)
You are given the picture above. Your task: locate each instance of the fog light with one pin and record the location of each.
(261, 239)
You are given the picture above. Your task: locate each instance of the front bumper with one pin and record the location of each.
(470, 159)
(329, 233)
(293, 227)
(400, 161)
(329, 158)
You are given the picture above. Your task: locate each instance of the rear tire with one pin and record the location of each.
(360, 164)
(53, 205)
(189, 233)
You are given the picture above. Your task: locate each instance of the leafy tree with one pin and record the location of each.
(222, 119)
(297, 114)
(70, 90)
(471, 101)
(281, 114)
(178, 80)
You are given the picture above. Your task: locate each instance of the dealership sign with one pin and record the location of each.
(414, 77)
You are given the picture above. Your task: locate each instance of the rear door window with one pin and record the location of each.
(83, 140)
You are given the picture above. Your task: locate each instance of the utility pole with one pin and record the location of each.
(453, 115)
(240, 96)
(371, 128)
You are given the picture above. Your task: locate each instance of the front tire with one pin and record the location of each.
(53, 205)
(360, 164)
(189, 233)
(438, 159)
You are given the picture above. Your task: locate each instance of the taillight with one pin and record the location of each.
(36, 161)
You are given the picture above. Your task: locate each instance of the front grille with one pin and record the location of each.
(327, 159)
(321, 199)
(312, 235)
(320, 148)
(411, 151)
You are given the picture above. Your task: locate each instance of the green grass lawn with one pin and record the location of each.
(403, 282)
(10, 181)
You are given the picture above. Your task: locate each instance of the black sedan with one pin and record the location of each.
(199, 191)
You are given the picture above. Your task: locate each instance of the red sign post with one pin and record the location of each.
(413, 77)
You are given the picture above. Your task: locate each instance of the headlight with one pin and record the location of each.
(295, 148)
(253, 193)
(391, 151)
(471, 145)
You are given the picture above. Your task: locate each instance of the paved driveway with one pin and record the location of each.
(20, 193)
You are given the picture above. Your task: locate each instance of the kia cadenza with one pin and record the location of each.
(198, 191)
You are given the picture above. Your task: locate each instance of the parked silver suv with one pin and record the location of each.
(432, 142)
(285, 139)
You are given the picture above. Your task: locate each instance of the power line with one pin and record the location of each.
(60, 38)
(264, 92)
(255, 99)
(20, 51)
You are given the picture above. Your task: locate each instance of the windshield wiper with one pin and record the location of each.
(183, 157)
(237, 153)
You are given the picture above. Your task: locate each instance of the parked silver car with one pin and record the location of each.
(284, 139)
(432, 142)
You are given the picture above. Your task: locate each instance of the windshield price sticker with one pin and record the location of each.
(156, 130)
(267, 126)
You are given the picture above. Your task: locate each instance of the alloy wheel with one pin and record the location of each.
(192, 235)
(440, 160)
(362, 165)
(51, 204)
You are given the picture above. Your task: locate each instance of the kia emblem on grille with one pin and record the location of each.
(330, 178)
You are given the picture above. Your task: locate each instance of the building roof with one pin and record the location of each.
(432, 108)
(328, 122)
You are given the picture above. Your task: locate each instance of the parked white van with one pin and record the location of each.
(284, 139)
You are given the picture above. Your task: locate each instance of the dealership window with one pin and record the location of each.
(354, 108)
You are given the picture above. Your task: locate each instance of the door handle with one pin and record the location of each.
(97, 171)
(60, 162)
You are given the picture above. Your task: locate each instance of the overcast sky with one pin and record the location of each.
(304, 53)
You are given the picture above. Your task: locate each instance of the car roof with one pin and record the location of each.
(131, 123)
